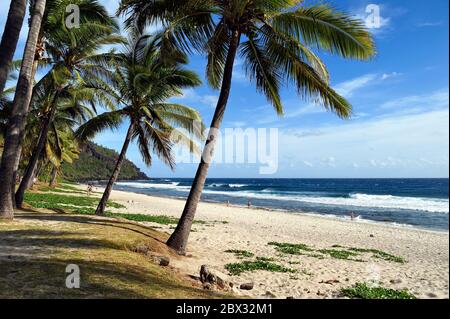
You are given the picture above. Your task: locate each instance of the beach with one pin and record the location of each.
(316, 272)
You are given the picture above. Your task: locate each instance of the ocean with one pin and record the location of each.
(422, 203)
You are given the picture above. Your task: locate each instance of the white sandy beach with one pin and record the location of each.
(425, 273)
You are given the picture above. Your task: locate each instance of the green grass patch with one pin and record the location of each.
(238, 268)
(87, 206)
(292, 249)
(240, 253)
(49, 200)
(339, 254)
(336, 251)
(363, 291)
(380, 254)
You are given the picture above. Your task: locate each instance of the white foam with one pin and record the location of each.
(173, 185)
(435, 205)
(237, 185)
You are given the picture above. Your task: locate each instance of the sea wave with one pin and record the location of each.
(435, 205)
(172, 185)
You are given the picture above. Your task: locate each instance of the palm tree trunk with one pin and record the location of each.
(10, 37)
(53, 176)
(178, 239)
(19, 111)
(32, 164)
(115, 174)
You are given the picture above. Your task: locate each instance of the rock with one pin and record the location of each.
(212, 277)
(395, 281)
(164, 261)
(247, 286)
(268, 294)
(371, 235)
(431, 295)
(207, 286)
(141, 249)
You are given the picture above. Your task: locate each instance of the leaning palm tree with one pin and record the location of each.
(19, 111)
(275, 38)
(142, 80)
(70, 53)
(10, 38)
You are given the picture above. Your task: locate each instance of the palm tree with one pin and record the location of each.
(18, 115)
(142, 80)
(274, 37)
(10, 38)
(71, 53)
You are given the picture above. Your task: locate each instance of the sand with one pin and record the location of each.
(425, 272)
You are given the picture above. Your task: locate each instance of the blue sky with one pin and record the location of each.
(400, 125)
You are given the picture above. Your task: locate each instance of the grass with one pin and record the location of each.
(363, 291)
(236, 269)
(240, 253)
(37, 247)
(49, 200)
(292, 249)
(340, 254)
(336, 251)
(380, 254)
(86, 206)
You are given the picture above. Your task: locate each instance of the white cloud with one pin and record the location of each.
(386, 76)
(430, 24)
(407, 145)
(347, 88)
(435, 100)
(192, 95)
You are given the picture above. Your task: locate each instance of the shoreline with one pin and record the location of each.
(286, 211)
(425, 272)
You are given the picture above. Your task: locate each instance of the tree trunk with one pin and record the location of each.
(179, 238)
(53, 176)
(19, 111)
(30, 171)
(115, 174)
(10, 37)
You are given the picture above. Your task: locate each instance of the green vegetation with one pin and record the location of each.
(292, 249)
(96, 162)
(103, 249)
(84, 205)
(238, 268)
(60, 201)
(337, 252)
(240, 253)
(380, 254)
(363, 291)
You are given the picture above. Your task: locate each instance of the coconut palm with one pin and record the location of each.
(142, 80)
(69, 53)
(56, 107)
(10, 38)
(275, 38)
(19, 110)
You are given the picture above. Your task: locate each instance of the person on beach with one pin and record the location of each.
(249, 204)
(89, 189)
